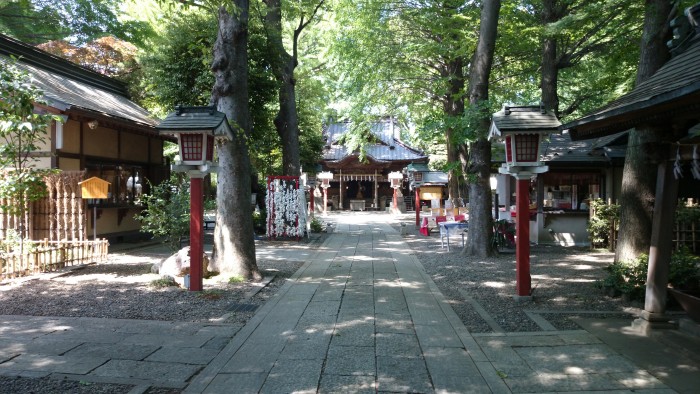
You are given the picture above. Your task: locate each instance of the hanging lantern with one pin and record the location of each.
(523, 129)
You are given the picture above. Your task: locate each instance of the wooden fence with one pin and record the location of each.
(47, 256)
(61, 215)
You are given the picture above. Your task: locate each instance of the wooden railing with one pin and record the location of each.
(47, 256)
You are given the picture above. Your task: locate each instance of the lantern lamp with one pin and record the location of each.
(196, 129)
(523, 130)
(325, 178)
(395, 178)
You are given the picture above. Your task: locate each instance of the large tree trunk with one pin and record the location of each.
(639, 174)
(453, 107)
(552, 11)
(233, 237)
(283, 65)
(479, 167)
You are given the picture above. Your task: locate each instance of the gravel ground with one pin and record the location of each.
(563, 284)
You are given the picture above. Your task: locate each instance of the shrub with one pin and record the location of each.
(167, 212)
(629, 277)
(600, 223)
(316, 226)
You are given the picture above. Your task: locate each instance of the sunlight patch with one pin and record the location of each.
(496, 285)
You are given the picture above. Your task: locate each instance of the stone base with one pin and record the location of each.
(519, 298)
(649, 321)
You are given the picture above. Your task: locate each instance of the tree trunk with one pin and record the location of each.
(550, 76)
(454, 107)
(639, 174)
(479, 166)
(233, 237)
(283, 65)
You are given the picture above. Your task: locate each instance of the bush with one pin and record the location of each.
(600, 222)
(167, 212)
(629, 278)
(316, 226)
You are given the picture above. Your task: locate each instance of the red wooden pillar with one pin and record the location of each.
(311, 199)
(417, 206)
(196, 233)
(325, 200)
(396, 203)
(522, 231)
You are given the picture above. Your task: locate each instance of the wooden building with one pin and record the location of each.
(363, 183)
(669, 102)
(103, 134)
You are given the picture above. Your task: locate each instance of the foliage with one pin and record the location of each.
(629, 277)
(259, 221)
(599, 224)
(236, 279)
(38, 21)
(167, 210)
(13, 243)
(165, 281)
(316, 225)
(687, 214)
(22, 132)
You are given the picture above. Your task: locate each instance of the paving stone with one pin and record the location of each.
(199, 356)
(343, 384)
(111, 351)
(452, 370)
(236, 383)
(41, 345)
(394, 322)
(52, 364)
(403, 375)
(437, 336)
(217, 343)
(350, 360)
(639, 379)
(360, 334)
(302, 376)
(146, 370)
(397, 345)
(575, 359)
(555, 382)
(192, 341)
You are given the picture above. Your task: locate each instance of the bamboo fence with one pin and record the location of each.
(47, 256)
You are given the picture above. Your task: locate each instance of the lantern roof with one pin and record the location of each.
(523, 119)
(195, 119)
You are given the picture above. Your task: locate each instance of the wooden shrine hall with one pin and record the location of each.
(361, 181)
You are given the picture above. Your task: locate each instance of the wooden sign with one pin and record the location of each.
(94, 188)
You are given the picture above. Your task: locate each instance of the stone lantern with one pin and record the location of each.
(325, 178)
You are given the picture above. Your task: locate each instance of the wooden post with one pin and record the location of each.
(653, 315)
(522, 231)
(416, 206)
(196, 233)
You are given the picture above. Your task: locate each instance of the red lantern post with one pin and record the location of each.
(523, 128)
(196, 129)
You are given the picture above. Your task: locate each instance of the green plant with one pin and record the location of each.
(165, 281)
(259, 217)
(236, 279)
(316, 226)
(601, 221)
(167, 210)
(23, 130)
(629, 278)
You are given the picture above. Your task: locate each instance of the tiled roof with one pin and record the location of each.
(678, 78)
(194, 118)
(389, 147)
(71, 86)
(561, 149)
(524, 118)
